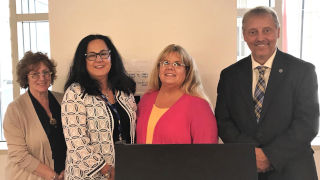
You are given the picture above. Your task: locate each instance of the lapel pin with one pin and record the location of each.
(280, 70)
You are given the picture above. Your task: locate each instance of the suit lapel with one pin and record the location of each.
(276, 77)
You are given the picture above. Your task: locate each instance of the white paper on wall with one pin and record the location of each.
(139, 71)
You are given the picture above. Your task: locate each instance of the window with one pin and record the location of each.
(6, 93)
(253, 3)
(27, 29)
(303, 34)
(31, 6)
(299, 33)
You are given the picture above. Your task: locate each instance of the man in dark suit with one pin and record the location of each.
(270, 99)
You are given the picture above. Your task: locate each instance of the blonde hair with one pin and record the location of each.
(192, 84)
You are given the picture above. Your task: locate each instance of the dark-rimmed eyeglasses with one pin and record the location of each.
(36, 75)
(92, 56)
(174, 64)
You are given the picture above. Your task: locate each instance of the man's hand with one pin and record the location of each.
(263, 164)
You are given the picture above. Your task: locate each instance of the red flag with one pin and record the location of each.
(284, 27)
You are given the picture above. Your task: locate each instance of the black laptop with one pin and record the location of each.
(186, 162)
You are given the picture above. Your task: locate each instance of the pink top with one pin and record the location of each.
(189, 121)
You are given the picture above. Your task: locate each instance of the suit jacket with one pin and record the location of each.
(289, 118)
(27, 141)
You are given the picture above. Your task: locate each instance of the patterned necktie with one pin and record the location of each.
(259, 92)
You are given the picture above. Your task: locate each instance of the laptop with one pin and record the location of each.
(185, 162)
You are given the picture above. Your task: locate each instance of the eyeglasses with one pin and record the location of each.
(174, 64)
(37, 75)
(92, 56)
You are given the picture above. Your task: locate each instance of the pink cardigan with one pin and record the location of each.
(189, 121)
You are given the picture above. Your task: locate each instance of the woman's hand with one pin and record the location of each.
(45, 172)
(61, 175)
(108, 170)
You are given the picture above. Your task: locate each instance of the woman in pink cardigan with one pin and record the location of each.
(175, 110)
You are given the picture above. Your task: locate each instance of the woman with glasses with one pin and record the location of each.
(176, 109)
(32, 123)
(98, 109)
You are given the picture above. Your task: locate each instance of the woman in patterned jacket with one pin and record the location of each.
(98, 109)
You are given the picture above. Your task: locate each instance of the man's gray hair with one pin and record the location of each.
(260, 10)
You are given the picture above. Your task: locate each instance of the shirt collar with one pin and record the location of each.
(267, 64)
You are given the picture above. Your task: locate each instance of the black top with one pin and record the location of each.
(125, 124)
(54, 132)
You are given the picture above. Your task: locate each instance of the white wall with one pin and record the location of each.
(141, 29)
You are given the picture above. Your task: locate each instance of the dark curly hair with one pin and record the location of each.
(118, 79)
(31, 62)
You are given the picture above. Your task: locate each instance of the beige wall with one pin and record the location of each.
(141, 29)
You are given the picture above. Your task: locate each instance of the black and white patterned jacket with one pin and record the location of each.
(88, 127)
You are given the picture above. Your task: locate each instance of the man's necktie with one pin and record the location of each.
(259, 92)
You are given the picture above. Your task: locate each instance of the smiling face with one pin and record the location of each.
(99, 68)
(261, 34)
(171, 76)
(39, 80)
